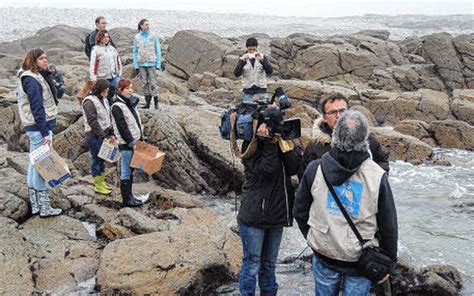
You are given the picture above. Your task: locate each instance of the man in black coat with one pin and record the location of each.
(332, 107)
(266, 207)
(100, 25)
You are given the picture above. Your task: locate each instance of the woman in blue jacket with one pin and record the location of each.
(147, 59)
(37, 102)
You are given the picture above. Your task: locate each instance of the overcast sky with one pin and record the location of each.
(310, 8)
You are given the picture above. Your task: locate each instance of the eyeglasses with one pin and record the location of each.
(334, 112)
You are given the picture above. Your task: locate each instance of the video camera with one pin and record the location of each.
(264, 111)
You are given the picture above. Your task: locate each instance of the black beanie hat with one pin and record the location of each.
(251, 42)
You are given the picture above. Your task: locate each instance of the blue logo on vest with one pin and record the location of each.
(350, 195)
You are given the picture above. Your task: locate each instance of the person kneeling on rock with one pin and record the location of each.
(98, 127)
(128, 130)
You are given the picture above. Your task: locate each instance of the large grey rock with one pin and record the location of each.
(402, 147)
(194, 51)
(439, 49)
(61, 36)
(15, 259)
(195, 257)
(465, 47)
(453, 134)
(416, 128)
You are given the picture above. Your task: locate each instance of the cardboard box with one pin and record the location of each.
(147, 158)
(50, 165)
(109, 151)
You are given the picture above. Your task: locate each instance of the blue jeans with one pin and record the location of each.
(327, 281)
(260, 248)
(34, 179)
(125, 160)
(97, 163)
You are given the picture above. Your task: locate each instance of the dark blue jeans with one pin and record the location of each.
(327, 282)
(97, 163)
(260, 248)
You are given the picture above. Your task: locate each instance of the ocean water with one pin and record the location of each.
(435, 207)
(166, 23)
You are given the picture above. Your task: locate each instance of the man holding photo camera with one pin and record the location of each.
(254, 67)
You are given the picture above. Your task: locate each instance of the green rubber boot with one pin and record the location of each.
(98, 187)
(102, 181)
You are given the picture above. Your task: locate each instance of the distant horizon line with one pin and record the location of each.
(242, 13)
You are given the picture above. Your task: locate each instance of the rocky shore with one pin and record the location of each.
(418, 94)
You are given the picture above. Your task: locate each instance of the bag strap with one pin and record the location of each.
(233, 140)
(343, 210)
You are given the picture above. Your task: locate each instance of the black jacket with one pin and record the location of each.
(339, 167)
(90, 42)
(121, 123)
(267, 193)
(322, 144)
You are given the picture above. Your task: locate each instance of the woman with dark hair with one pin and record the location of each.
(105, 62)
(98, 127)
(129, 130)
(147, 59)
(37, 107)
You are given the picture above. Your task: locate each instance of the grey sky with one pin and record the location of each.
(309, 8)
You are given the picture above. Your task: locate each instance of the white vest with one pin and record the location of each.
(254, 75)
(135, 129)
(103, 113)
(24, 107)
(146, 51)
(330, 235)
(104, 57)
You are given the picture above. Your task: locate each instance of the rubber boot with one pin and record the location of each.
(46, 210)
(33, 201)
(147, 102)
(127, 198)
(131, 189)
(98, 187)
(155, 100)
(102, 180)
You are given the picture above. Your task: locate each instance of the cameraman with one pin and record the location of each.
(253, 66)
(266, 207)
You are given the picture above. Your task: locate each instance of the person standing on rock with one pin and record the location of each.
(333, 106)
(128, 129)
(100, 25)
(98, 127)
(105, 63)
(364, 192)
(254, 68)
(266, 207)
(58, 80)
(147, 60)
(37, 108)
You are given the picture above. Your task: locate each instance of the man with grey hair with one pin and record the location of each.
(363, 189)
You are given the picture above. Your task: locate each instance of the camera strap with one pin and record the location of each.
(252, 147)
(343, 210)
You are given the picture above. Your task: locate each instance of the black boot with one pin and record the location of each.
(155, 100)
(131, 191)
(147, 100)
(127, 198)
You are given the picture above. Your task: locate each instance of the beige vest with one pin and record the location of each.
(330, 234)
(105, 69)
(146, 51)
(103, 113)
(254, 75)
(135, 129)
(24, 107)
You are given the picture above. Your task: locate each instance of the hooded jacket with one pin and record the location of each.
(321, 143)
(267, 194)
(339, 167)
